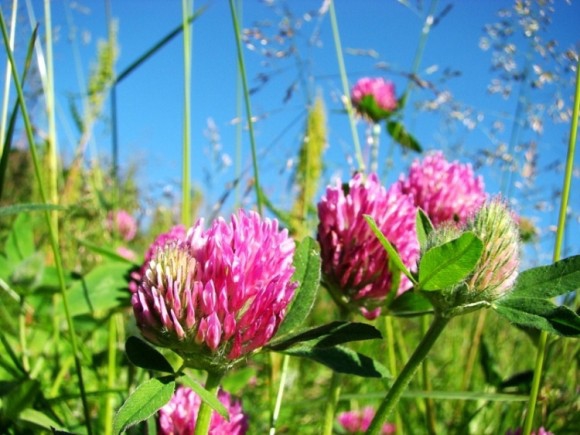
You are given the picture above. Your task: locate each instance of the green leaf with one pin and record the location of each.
(107, 253)
(446, 265)
(402, 137)
(409, 304)
(145, 356)
(20, 397)
(424, 228)
(342, 360)
(540, 314)
(548, 281)
(206, 396)
(22, 208)
(28, 273)
(307, 273)
(391, 251)
(40, 420)
(104, 288)
(20, 243)
(328, 335)
(145, 401)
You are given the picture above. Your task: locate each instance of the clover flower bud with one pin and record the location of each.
(357, 422)
(123, 224)
(374, 98)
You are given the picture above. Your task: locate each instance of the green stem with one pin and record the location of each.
(557, 249)
(331, 402)
(392, 398)
(111, 374)
(22, 337)
(205, 411)
(345, 88)
(374, 144)
(387, 325)
(279, 396)
(242, 69)
(6, 96)
(429, 408)
(53, 232)
(186, 150)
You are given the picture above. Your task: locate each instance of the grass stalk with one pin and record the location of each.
(111, 374)
(280, 395)
(7, 79)
(331, 402)
(242, 69)
(186, 6)
(53, 232)
(395, 392)
(204, 416)
(387, 326)
(345, 88)
(557, 249)
(427, 386)
(239, 126)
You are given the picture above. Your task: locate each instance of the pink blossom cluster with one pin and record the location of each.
(357, 422)
(374, 97)
(179, 416)
(353, 259)
(446, 191)
(219, 293)
(122, 223)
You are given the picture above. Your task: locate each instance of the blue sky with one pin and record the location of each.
(150, 100)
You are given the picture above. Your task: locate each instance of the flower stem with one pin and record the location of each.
(388, 333)
(427, 387)
(392, 398)
(557, 249)
(345, 89)
(242, 69)
(205, 411)
(374, 144)
(331, 402)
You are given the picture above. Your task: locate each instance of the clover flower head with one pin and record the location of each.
(445, 191)
(179, 416)
(357, 422)
(220, 293)
(374, 98)
(353, 260)
(123, 224)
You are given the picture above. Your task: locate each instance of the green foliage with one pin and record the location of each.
(145, 401)
(145, 356)
(446, 265)
(402, 136)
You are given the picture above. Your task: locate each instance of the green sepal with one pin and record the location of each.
(402, 136)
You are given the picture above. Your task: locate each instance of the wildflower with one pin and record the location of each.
(126, 253)
(374, 98)
(447, 192)
(219, 294)
(353, 260)
(179, 416)
(123, 224)
(357, 422)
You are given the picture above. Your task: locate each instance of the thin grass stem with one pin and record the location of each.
(542, 344)
(242, 69)
(7, 79)
(186, 6)
(387, 324)
(280, 395)
(345, 88)
(53, 232)
(111, 374)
